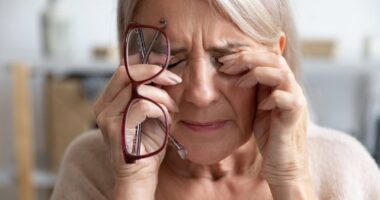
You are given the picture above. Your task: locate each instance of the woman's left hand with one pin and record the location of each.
(280, 124)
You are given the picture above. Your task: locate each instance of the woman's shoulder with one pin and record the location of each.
(86, 150)
(88, 142)
(85, 171)
(340, 165)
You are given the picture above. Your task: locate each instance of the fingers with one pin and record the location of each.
(117, 107)
(142, 109)
(269, 70)
(272, 77)
(289, 104)
(120, 80)
(264, 68)
(139, 72)
(158, 95)
(144, 71)
(245, 60)
(279, 99)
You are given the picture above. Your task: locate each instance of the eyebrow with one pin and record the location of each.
(222, 49)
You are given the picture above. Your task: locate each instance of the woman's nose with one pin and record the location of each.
(201, 90)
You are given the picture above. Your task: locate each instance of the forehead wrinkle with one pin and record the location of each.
(179, 38)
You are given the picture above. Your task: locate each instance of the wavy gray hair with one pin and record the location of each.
(262, 20)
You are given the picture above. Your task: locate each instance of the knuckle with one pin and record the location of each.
(154, 69)
(143, 106)
(164, 108)
(165, 93)
(287, 76)
(120, 71)
(299, 103)
(287, 82)
(276, 96)
(113, 126)
(242, 55)
(97, 107)
(280, 61)
(277, 61)
(256, 71)
(100, 120)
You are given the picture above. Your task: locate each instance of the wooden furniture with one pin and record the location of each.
(23, 131)
(49, 110)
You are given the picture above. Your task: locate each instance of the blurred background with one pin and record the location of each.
(55, 56)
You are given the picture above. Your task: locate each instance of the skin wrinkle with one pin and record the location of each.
(215, 161)
(196, 57)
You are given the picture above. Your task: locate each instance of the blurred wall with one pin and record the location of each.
(347, 21)
(92, 22)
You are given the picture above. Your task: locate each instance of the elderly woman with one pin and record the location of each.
(207, 105)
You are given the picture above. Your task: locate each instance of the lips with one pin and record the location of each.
(204, 126)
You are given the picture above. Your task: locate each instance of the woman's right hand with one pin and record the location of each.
(109, 109)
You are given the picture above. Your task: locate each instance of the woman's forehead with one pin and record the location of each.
(180, 14)
(190, 20)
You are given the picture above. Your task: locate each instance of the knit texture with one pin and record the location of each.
(340, 166)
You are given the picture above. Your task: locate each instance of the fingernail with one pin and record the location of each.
(175, 78)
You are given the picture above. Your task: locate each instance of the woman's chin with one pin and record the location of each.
(208, 156)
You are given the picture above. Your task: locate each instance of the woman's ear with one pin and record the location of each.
(279, 46)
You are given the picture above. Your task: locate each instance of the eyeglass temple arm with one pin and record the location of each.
(174, 143)
(142, 46)
(163, 23)
(150, 47)
(137, 141)
(180, 149)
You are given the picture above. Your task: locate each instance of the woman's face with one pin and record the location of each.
(215, 116)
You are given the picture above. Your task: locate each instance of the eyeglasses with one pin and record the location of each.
(143, 137)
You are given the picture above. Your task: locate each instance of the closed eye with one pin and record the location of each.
(175, 64)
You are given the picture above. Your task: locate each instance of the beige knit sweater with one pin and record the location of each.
(341, 168)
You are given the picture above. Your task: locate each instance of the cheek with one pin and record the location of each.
(244, 104)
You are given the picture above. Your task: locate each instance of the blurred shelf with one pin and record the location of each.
(315, 63)
(40, 178)
(5, 178)
(44, 179)
(29, 85)
(64, 68)
(67, 68)
(349, 88)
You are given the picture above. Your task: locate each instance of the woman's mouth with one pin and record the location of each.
(204, 126)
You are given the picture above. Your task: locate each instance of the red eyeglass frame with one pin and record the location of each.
(129, 158)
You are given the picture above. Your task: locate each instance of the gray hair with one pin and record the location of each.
(262, 20)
